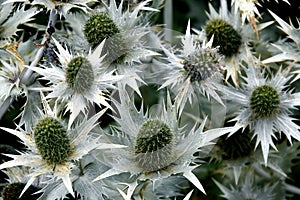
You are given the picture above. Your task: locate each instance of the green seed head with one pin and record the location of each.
(265, 101)
(80, 75)
(98, 27)
(203, 64)
(52, 141)
(13, 190)
(154, 145)
(225, 36)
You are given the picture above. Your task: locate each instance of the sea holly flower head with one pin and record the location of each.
(153, 146)
(265, 101)
(79, 79)
(52, 148)
(124, 31)
(196, 69)
(99, 27)
(225, 36)
(232, 36)
(157, 146)
(266, 104)
(50, 132)
(80, 74)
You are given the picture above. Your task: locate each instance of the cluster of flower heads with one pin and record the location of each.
(216, 99)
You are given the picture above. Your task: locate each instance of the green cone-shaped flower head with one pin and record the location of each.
(203, 64)
(13, 190)
(52, 141)
(225, 36)
(98, 27)
(80, 74)
(265, 101)
(154, 145)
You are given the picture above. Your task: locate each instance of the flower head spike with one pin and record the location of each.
(157, 146)
(81, 80)
(124, 32)
(52, 148)
(13, 191)
(265, 107)
(197, 68)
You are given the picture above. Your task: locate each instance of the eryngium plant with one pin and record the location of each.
(100, 99)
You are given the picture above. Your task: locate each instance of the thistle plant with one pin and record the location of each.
(153, 99)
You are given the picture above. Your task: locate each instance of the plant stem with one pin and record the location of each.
(26, 75)
(292, 189)
(168, 20)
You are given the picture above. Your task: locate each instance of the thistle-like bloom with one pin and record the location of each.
(195, 69)
(61, 6)
(79, 81)
(157, 146)
(231, 37)
(124, 32)
(265, 106)
(52, 148)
